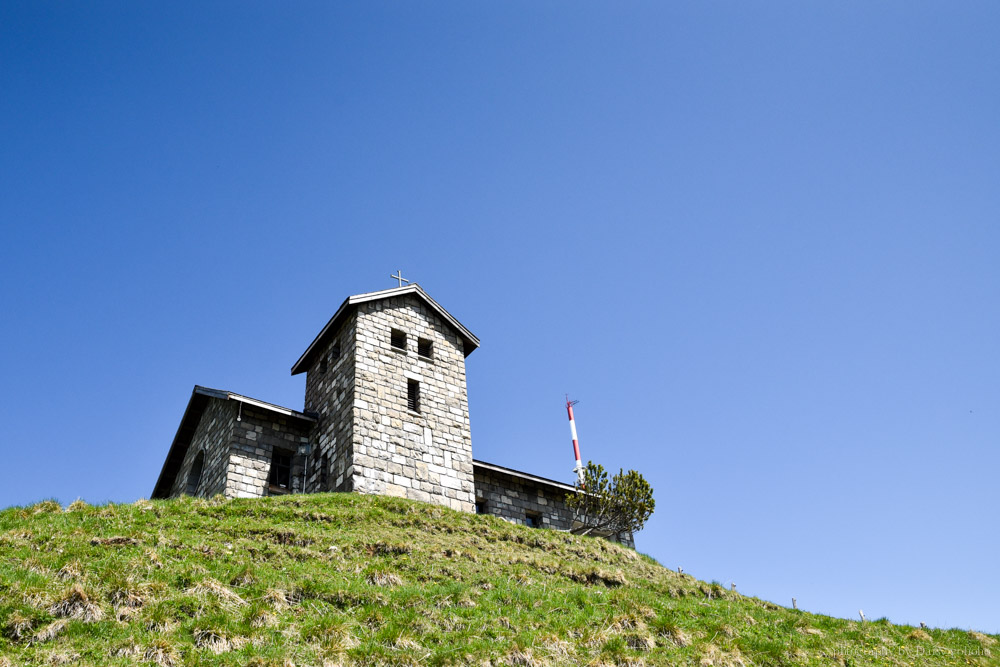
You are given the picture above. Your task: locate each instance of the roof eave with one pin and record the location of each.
(523, 475)
(195, 405)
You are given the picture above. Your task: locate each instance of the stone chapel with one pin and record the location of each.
(386, 412)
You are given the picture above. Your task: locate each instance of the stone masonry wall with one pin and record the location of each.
(513, 498)
(425, 455)
(212, 436)
(330, 395)
(254, 439)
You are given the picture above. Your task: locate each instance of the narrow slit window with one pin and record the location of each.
(324, 472)
(194, 477)
(281, 469)
(413, 395)
(424, 347)
(335, 351)
(322, 365)
(398, 339)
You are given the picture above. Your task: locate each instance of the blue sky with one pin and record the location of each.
(758, 241)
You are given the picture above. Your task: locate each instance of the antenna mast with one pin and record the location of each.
(576, 443)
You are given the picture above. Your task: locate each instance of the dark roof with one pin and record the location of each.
(534, 479)
(470, 341)
(189, 423)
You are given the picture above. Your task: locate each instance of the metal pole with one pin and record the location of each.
(576, 443)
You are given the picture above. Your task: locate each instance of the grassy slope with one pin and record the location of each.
(348, 579)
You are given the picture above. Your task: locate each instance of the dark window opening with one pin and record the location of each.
(533, 519)
(481, 507)
(335, 351)
(322, 365)
(413, 395)
(281, 469)
(194, 477)
(398, 339)
(324, 472)
(424, 347)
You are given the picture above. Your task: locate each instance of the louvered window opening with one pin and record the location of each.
(398, 339)
(413, 395)
(424, 347)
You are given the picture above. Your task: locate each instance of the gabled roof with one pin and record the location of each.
(189, 423)
(302, 365)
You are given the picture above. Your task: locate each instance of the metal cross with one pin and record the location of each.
(399, 277)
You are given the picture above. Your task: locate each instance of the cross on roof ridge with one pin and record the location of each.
(399, 277)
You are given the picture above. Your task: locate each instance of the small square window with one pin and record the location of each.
(398, 339)
(281, 469)
(481, 507)
(413, 395)
(533, 519)
(424, 347)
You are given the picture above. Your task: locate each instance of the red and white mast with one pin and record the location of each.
(576, 443)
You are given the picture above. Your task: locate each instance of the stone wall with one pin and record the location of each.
(212, 436)
(330, 395)
(254, 439)
(427, 454)
(514, 498)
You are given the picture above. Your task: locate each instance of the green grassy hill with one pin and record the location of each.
(341, 579)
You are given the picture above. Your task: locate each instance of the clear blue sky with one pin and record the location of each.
(758, 241)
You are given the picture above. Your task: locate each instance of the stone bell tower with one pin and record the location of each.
(386, 377)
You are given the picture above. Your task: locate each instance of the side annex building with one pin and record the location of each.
(386, 412)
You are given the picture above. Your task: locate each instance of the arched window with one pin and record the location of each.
(194, 477)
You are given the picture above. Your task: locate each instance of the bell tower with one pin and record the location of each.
(386, 378)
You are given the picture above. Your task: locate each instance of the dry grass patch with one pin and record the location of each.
(639, 641)
(62, 657)
(276, 598)
(522, 658)
(985, 640)
(384, 578)
(263, 618)
(212, 588)
(18, 626)
(71, 570)
(46, 507)
(162, 653)
(77, 603)
(116, 541)
(713, 656)
(217, 642)
(407, 644)
(673, 634)
(919, 635)
(50, 631)
(77, 506)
